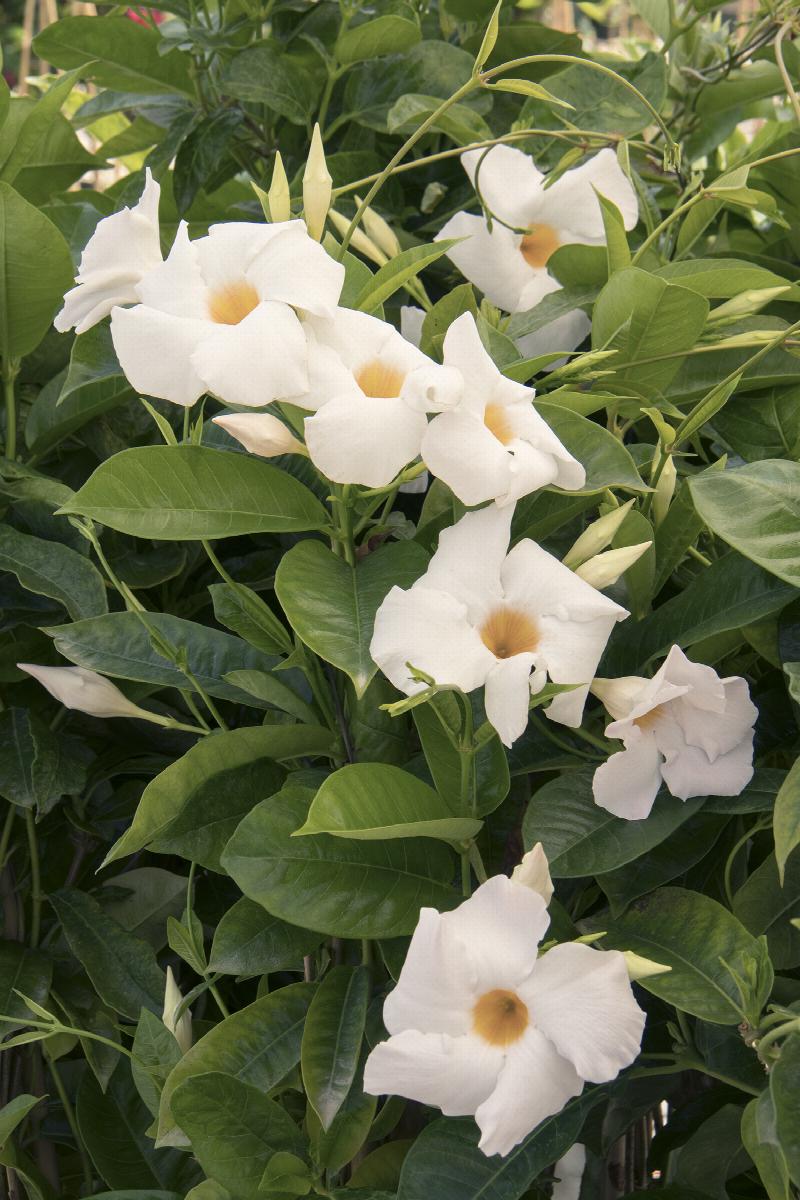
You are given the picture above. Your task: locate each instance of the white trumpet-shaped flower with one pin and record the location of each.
(510, 267)
(482, 1025)
(534, 872)
(370, 389)
(492, 445)
(219, 315)
(568, 1172)
(481, 616)
(260, 433)
(685, 726)
(180, 1026)
(85, 691)
(122, 249)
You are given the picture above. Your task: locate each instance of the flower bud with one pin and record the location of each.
(261, 434)
(596, 536)
(618, 695)
(317, 188)
(534, 872)
(665, 489)
(642, 968)
(358, 240)
(379, 231)
(85, 691)
(746, 304)
(180, 1026)
(605, 569)
(279, 197)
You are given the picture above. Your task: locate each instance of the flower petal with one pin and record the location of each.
(453, 1074)
(263, 358)
(295, 269)
(412, 319)
(229, 248)
(493, 262)
(532, 427)
(499, 929)
(464, 454)
(430, 630)
(565, 333)
(582, 1000)
(534, 872)
(571, 202)
(508, 180)
(363, 439)
(627, 784)
(535, 1082)
(507, 696)
(436, 989)
(469, 557)
(176, 286)
(688, 771)
(155, 351)
(568, 1172)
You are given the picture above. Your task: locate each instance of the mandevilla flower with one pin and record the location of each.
(568, 1172)
(260, 433)
(219, 315)
(483, 616)
(482, 1025)
(122, 249)
(180, 1026)
(493, 445)
(85, 691)
(685, 726)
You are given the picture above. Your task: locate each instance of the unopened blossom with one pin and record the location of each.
(509, 265)
(219, 315)
(180, 1026)
(483, 617)
(534, 872)
(568, 1173)
(492, 444)
(260, 433)
(604, 569)
(685, 726)
(85, 691)
(317, 187)
(483, 1025)
(371, 390)
(122, 249)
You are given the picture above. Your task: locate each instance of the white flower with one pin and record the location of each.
(511, 268)
(85, 691)
(534, 872)
(371, 390)
(260, 433)
(483, 616)
(180, 1026)
(412, 319)
(569, 1173)
(685, 726)
(481, 1026)
(492, 445)
(123, 248)
(219, 315)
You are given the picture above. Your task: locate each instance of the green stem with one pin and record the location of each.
(220, 1003)
(9, 375)
(690, 1065)
(5, 837)
(69, 1113)
(218, 567)
(466, 875)
(665, 224)
(36, 881)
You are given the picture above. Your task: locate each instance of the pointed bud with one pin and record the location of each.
(642, 968)
(618, 696)
(85, 691)
(279, 197)
(359, 240)
(534, 872)
(379, 231)
(317, 188)
(605, 569)
(665, 489)
(180, 1026)
(746, 304)
(597, 536)
(261, 434)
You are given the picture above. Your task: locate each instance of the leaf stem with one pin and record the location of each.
(10, 370)
(36, 881)
(69, 1113)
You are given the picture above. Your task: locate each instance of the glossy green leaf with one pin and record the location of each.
(51, 569)
(766, 904)
(389, 33)
(719, 278)
(37, 769)
(607, 462)
(760, 1138)
(250, 941)
(332, 1039)
(156, 1052)
(492, 779)
(194, 492)
(784, 1086)
(242, 610)
(26, 971)
(36, 137)
(115, 55)
(787, 818)
(398, 271)
(267, 75)
(765, 425)
(31, 287)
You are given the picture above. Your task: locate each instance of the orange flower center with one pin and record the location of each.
(231, 303)
(537, 246)
(495, 418)
(500, 1017)
(379, 380)
(507, 631)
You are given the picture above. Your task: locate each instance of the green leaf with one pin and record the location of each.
(492, 779)
(460, 122)
(374, 802)
(242, 610)
(760, 1138)
(340, 887)
(691, 934)
(122, 967)
(390, 33)
(250, 941)
(234, 1129)
(439, 319)
(580, 838)
(13, 1113)
(766, 425)
(755, 509)
(398, 271)
(155, 1053)
(31, 286)
(265, 74)
(784, 1086)
(267, 687)
(617, 249)
(142, 899)
(332, 1039)
(115, 55)
(54, 570)
(202, 153)
(765, 904)
(331, 606)
(37, 769)
(28, 140)
(719, 278)
(607, 462)
(489, 38)
(258, 1046)
(193, 807)
(787, 818)
(195, 492)
(340, 1144)
(21, 971)
(713, 1154)
(550, 308)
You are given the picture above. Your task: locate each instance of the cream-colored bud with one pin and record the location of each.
(279, 196)
(665, 490)
(379, 231)
(534, 872)
(597, 536)
(317, 188)
(359, 240)
(85, 691)
(180, 1026)
(605, 569)
(261, 434)
(746, 304)
(618, 696)
(642, 968)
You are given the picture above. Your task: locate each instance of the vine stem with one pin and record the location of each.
(69, 1113)
(36, 882)
(9, 375)
(794, 100)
